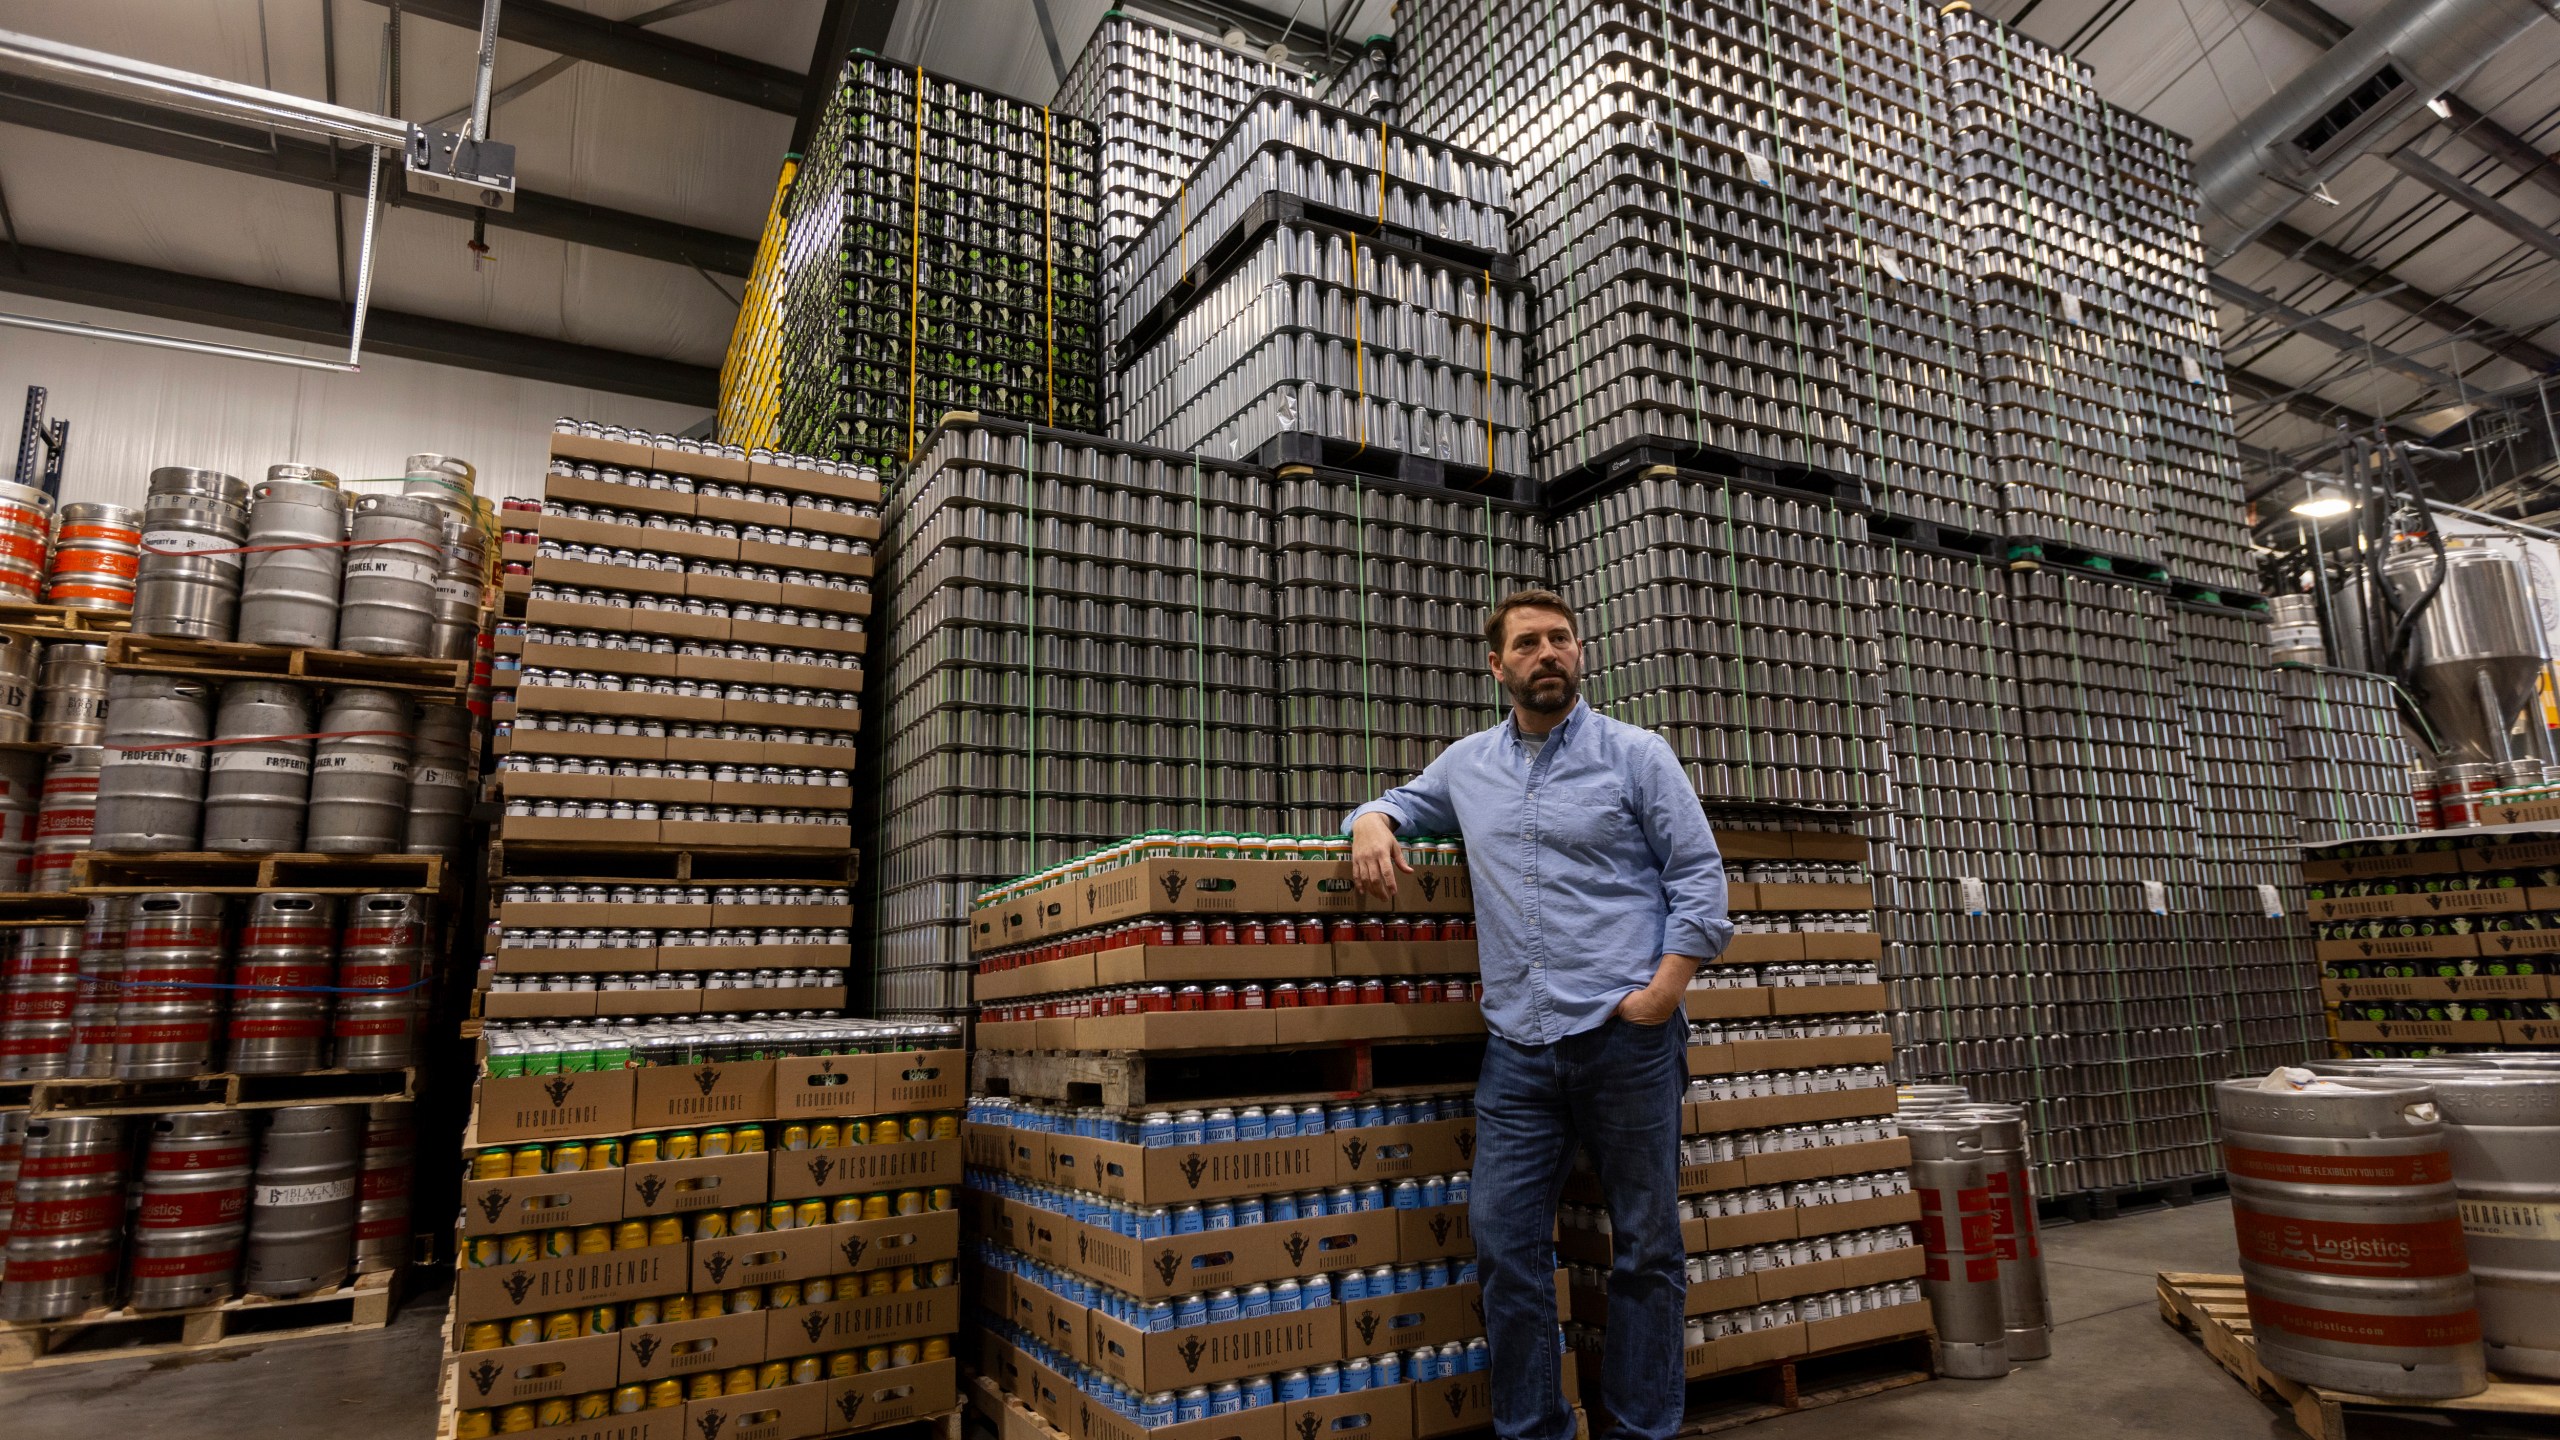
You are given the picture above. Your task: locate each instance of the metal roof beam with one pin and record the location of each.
(2304, 323)
(2350, 269)
(319, 320)
(177, 135)
(2474, 199)
(2303, 402)
(620, 45)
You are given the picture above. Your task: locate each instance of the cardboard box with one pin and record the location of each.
(676, 1187)
(1736, 1003)
(541, 655)
(908, 1081)
(1404, 957)
(1459, 1403)
(891, 1397)
(2430, 904)
(1190, 1030)
(1376, 1022)
(1740, 1232)
(572, 1282)
(1394, 1152)
(541, 1202)
(2410, 947)
(651, 1002)
(1237, 887)
(2319, 866)
(570, 490)
(713, 834)
(786, 1412)
(1706, 1297)
(1706, 1117)
(1433, 1232)
(1207, 1354)
(1218, 1259)
(857, 1322)
(799, 637)
(516, 1374)
(1826, 999)
(2420, 1032)
(1813, 1052)
(1862, 1158)
(1859, 1329)
(865, 1169)
(1366, 1415)
(731, 589)
(1089, 1421)
(620, 454)
(765, 1258)
(1906, 1263)
(718, 1093)
(1857, 1215)
(1056, 1321)
(665, 1424)
(524, 1004)
(825, 598)
(781, 475)
(688, 1347)
(1732, 1352)
(589, 575)
(2532, 1034)
(574, 962)
(613, 534)
(554, 1107)
(2515, 854)
(1205, 964)
(2499, 944)
(834, 522)
(742, 512)
(1400, 1322)
(2449, 987)
(593, 832)
(1168, 1175)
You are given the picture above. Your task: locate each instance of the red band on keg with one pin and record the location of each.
(186, 1211)
(147, 934)
(74, 531)
(401, 933)
(21, 1046)
(85, 560)
(120, 596)
(160, 1161)
(252, 975)
(191, 1032)
(2427, 1167)
(383, 1184)
(395, 1226)
(387, 975)
(66, 1217)
(55, 1167)
(2322, 1247)
(310, 1029)
(349, 1027)
(29, 548)
(179, 1267)
(74, 1267)
(2343, 1327)
(36, 1005)
(315, 936)
(66, 824)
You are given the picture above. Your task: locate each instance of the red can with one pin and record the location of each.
(1315, 994)
(1190, 997)
(1250, 998)
(1254, 932)
(1155, 1000)
(1345, 931)
(1401, 992)
(1454, 990)
(1346, 992)
(1284, 996)
(1373, 929)
(1373, 991)
(1222, 997)
(1223, 933)
(1400, 930)
(1193, 932)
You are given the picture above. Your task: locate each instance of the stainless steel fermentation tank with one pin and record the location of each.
(2475, 651)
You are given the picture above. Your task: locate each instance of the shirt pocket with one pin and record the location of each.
(1587, 813)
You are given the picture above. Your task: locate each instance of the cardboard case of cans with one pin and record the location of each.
(669, 1221)
(2434, 943)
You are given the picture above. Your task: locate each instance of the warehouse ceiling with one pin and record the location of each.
(649, 135)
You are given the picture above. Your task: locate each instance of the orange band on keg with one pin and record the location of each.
(97, 562)
(30, 548)
(2419, 1250)
(2342, 1327)
(2427, 1167)
(76, 530)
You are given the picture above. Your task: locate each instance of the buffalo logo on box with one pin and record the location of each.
(1173, 883)
(849, 1404)
(852, 1249)
(516, 1286)
(710, 1424)
(644, 1349)
(708, 1077)
(559, 1090)
(1429, 882)
(494, 1204)
(1308, 1425)
(1355, 1150)
(1467, 1143)
(1296, 1245)
(1193, 1167)
(1191, 1351)
(1296, 880)
(1084, 1249)
(650, 1188)
(1441, 1224)
(1368, 1323)
(485, 1374)
(814, 1325)
(1456, 1396)
(1169, 1265)
(1476, 1303)
(718, 1263)
(820, 1167)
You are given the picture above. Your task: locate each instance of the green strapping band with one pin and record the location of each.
(1199, 641)
(1360, 551)
(1031, 641)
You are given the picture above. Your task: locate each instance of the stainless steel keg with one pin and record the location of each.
(283, 968)
(21, 797)
(13, 1149)
(19, 657)
(259, 781)
(1952, 1176)
(382, 962)
(97, 552)
(2503, 1130)
(382, 1187)
(93, 1007)
(2026, 1315)
(461, 580)
(289, 589)
(193, 524)
(169, 1009)
(151, 780)
(360, 773)
(39, 993)
(26, 528)
(191, 1208)
(388, 605)
(71, 695)
(2351, 1242)
(302, 1200)
(67, 1229)
(440, 780)
(66, 814)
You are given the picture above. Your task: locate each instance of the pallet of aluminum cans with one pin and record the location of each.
(2353, 773)
(938, 254)
(778, 1202)
(1081, 646)
(2431, 942)
(1332, 167)
(1367, 86)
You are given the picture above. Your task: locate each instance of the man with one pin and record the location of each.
(1598, 893)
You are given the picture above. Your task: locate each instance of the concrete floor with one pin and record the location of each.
(2117, 1371)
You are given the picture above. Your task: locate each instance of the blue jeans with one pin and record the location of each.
(1615, 1092)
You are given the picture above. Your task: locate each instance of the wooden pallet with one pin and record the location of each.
(61, 622)
(2215, 1309)
(1754, 1393)
(1366, 1069)
(587, 863)
(207, 1092)
(364, 1303)
(22, 908)
(108, 873)
(231, 660)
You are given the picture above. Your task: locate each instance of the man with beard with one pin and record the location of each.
(1598, 893)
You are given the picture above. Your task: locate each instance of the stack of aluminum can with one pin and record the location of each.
(1367, 85)
(2352, 771)
(1382, 596)
(1080, 647)
(2246, 936)
(1736, 623)
(937, 254)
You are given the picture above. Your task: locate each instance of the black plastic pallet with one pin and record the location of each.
(2218, 600)
(2108, 1203)
(2028, 553)
(1625, 462)
(1948, 540)
(1374, 462)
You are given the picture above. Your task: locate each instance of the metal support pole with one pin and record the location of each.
(488, 69)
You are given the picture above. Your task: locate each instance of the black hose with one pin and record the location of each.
(2384, 610)
(2408, 623)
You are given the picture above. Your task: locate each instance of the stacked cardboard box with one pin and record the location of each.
(2435, 941)
(681, 1226)
(1796, 1207)
(1248, 1262)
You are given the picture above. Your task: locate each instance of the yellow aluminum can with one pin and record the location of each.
(521, 1248)
(910, 1202)
(746, 1220)
(827, 1135)
(705, 1386)
(782, 1295)
(595, 1405)
(630, 1399)
(879, 1282)
(747, 1139)
(674, 1308)
(667, 1230)
(709, 1304)
(680, 1145)
(903, 1354)
(557, 1244)
(937, 1347)
(665, 1393)
(710, 1225)
(642, 1150)
(875, 1207)
(715, 1142)
(773, 1375)
(941, 1198)
(946, 1126)
(569, 1157)
(741, 1380)
(631, 1235)
(780, 1216)
(875, 1357)
(483, 1335)
(807, 1369)
(810, 1214)
(919, 1128)
(605, 1154)
(795, 1137)
(601, 1320)
(843, 1365)
(847, 1207)
(640, 1312)
(595, 1239)
(560, 1325)
(524, 1330)
(515, 1419)
(746, 1299)
(818, 1291)
(483, 1250)
(552, 1412)
(473, 1425)
(531, 1160)
(494, 1164)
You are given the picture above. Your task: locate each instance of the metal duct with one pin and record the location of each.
(2364, 88)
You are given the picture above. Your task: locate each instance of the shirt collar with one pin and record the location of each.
(1511, 723)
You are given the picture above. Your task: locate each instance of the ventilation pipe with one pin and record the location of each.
(2352, 99)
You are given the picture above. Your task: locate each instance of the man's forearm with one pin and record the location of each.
(1674, 972)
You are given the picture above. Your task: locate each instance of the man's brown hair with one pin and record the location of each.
(1525, 600)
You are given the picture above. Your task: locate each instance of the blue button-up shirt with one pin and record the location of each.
(1590, 860)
